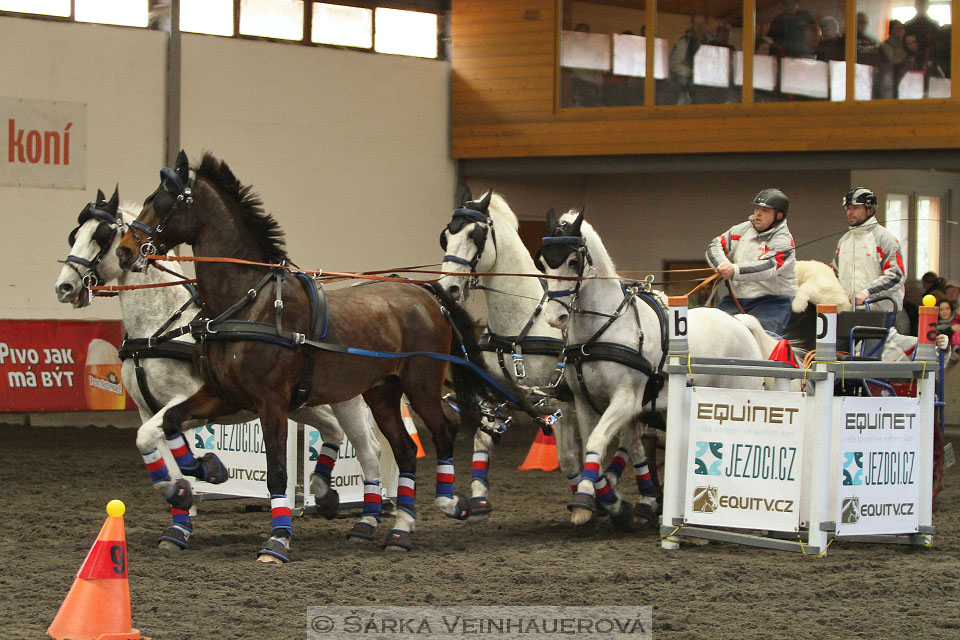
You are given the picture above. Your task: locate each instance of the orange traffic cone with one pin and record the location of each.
(783, 352)
(542, 454)
(98, 604)
(411, 428)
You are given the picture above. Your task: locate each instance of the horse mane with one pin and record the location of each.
(264, 225)
(601, 258)
(501, 213)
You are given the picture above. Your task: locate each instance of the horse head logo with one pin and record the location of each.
(850, 510)
(705, 499)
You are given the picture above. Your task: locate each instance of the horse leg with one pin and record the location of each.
(354, 417)
(620, 458)
(428, 406)
(163, 430)
(648, 506)
(480, 508)
(593, 487)
(384, 402)
(568, 454)
(175, 536)
(273, 421)
(322, 418)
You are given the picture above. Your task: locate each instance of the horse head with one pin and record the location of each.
(563, 259)
(165, 220)
(463, 240)
(91, 259)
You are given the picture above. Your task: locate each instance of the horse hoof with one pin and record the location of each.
(329, 504)
(361, 532)
(213, 470)
(646, 512)
(173, 539)
(463, 507)
(398, 540)
(623, 520)
(169, 548)
(182, 495)
(274, 550)
(583, 501)
(580, 517)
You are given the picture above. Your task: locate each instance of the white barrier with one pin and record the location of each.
(792, 470)
(241, 449)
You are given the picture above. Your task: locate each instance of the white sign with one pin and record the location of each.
(45, 143)
(879, 490)
(241, 449)
(745, 459)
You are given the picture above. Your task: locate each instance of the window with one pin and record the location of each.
(281, 19)
(915, 219)
(214, 17)
(409, 33)
(44, 7)
(342, 25)
(130, 13)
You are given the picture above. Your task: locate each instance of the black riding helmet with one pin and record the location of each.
(860, 195)
(773, 198)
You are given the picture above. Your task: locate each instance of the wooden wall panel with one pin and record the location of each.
(504, 105)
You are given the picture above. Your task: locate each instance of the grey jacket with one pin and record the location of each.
(763, 264)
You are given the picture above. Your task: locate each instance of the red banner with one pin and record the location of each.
(61, 365)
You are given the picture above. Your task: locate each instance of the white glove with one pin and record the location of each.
(942, 342)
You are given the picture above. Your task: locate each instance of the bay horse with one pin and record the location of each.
(483, 252)
(158, 368)
(615, 348)
(266, 350)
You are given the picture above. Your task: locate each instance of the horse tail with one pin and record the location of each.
(765, 341)
(468, 385)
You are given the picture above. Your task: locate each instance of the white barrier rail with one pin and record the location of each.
(792, 470)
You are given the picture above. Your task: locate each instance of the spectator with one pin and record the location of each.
(831, 45)
(940, 53)
(892, 55)
(681, 56)
(868, 261)
(814, 37)
(758, 261)
(915, 59)
(723, 37)
(922, 26)
(932, 282)
(946, 319)
(867, 45)
(789, 29)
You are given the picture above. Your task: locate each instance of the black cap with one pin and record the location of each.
(773, 198)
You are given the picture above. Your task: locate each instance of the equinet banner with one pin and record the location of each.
(44, 144)
(744, 464)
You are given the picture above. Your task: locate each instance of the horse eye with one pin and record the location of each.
(443, 239)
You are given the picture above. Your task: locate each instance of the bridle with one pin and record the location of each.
(484, 228)
(110, 223)
(554, 253)
(172, 184)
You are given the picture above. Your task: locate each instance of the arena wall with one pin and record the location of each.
(349, 150)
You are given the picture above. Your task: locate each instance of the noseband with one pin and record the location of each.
(572, 244)
(106, 231)
(171, 183)
(462, 217)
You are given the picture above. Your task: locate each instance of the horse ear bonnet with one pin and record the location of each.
(466, 197)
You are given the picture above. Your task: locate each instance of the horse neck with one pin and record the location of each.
(145, 310)
(223, 234)
(602, 294)
(509, 312)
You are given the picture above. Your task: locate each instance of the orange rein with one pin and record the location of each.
(346, 275)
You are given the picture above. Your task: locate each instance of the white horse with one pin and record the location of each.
(615, 347)
(521, 349)
(157, 378)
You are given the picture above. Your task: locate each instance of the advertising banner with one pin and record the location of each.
(45, 143)
(61, 365)
(878, 490)
(241, 449)
(745, 459)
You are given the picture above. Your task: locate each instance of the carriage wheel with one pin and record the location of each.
(938, 445)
